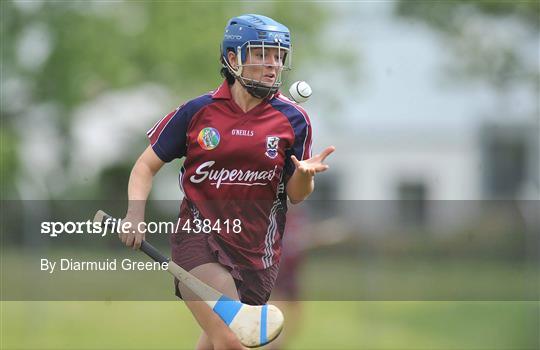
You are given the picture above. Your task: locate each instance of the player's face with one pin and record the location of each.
(264, 65)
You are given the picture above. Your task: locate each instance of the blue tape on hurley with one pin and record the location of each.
(227, 309)
(264, 313)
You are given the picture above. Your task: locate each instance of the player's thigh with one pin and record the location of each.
(216, 276)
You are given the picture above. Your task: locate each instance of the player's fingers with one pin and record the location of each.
(130, 239)
(327, 151)
(303, 169)
(322, 168)
(295, 161)
(138, 241)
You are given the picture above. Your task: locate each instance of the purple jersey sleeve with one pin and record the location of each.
(301, 126)
(168, 136)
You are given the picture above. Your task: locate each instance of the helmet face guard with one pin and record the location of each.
(257, 57)
(258, 42)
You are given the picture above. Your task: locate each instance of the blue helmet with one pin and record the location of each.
(250, 31)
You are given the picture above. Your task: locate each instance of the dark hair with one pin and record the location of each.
(225, 73)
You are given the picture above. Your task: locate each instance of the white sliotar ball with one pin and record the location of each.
(300, 91)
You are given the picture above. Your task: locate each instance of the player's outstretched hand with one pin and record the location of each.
(133, 237)
(314, 164)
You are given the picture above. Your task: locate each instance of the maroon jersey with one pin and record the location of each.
(237, 166)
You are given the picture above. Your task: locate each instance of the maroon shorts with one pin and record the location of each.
(190, 250)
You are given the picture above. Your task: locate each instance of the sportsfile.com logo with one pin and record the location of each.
(232, 176)
(112, 226)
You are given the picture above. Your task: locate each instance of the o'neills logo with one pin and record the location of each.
(231, 176)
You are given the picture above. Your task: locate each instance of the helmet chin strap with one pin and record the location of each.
(256, 89)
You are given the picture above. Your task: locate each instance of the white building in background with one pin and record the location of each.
(407, 177)
(398, 164)
(490, 162)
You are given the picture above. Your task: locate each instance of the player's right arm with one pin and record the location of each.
(140, 184)
(168, 141)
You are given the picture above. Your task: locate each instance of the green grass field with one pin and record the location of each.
(323, 325)
(322, 277)
(363, 324)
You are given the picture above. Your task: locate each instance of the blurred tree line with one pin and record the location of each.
(93, 47)
(473, 32)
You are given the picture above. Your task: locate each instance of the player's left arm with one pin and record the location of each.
(302, 183)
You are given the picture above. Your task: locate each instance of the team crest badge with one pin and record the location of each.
(208, 138)
(272, 146)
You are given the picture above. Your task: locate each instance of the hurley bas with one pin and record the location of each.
(103, 265)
